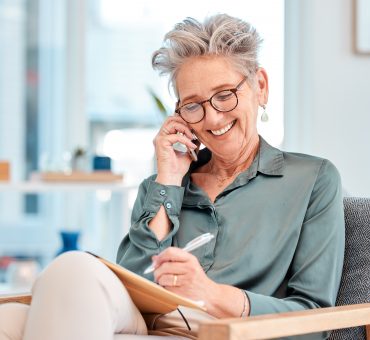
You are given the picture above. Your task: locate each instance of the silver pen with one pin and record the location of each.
(192, 245)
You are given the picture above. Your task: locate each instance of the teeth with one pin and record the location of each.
(223, 130)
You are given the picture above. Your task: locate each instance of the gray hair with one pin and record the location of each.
(219, 35)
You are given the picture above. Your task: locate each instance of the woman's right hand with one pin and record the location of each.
(172, 165)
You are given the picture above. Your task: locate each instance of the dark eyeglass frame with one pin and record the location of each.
(233, 90)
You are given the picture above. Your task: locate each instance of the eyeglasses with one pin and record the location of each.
(223, 101)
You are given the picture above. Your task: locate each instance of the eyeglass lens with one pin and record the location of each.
(222, 101)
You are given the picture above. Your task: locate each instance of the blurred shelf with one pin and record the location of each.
(77, 176)
(41, 186)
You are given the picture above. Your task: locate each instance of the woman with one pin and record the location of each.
(277, 217)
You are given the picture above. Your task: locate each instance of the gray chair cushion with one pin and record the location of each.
(355, 283)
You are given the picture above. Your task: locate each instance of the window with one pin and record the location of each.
(76, 74)
(120, 42)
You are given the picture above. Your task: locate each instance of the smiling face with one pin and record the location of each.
(227, 134)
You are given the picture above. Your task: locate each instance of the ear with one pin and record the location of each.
(262, 86)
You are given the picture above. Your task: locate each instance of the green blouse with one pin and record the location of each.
(279, 229)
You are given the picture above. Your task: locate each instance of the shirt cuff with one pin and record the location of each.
(170, 196)
(259, 304)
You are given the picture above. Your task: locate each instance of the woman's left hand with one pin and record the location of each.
(181, 273)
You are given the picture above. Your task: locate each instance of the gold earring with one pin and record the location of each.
(264, 116)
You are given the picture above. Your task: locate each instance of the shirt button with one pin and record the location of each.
(168, 205)
(162, 192)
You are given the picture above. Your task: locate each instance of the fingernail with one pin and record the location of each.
(194, 136)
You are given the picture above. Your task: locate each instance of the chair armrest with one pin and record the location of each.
(21, 298)
(278, 325)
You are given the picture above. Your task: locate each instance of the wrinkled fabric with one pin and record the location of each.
(279, 229)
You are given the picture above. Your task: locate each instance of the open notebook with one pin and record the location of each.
(148, 296)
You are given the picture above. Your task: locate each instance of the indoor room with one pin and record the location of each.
(81, 109)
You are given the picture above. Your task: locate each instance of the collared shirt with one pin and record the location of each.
(279, 229)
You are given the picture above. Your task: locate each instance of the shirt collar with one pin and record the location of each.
(271, 160)
(268, 161)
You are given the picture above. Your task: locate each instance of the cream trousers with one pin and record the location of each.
(76, 298)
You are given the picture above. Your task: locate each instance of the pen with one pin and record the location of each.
(192, 245)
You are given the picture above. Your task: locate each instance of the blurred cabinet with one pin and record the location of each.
(104, 212)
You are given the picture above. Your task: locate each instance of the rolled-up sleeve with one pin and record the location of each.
(137, 248)
(317, 264)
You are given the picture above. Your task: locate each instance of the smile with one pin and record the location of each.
(224, 129)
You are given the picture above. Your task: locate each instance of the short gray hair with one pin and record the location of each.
(219, 35)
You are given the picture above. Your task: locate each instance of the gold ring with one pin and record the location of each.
(174, 280)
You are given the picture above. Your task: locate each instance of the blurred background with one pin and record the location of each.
(76, 83)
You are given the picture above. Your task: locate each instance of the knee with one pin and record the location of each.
(70, 268)
(72, 259)
(13, 318)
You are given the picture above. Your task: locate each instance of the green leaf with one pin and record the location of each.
(158, 102)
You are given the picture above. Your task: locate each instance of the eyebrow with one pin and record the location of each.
(213, 89)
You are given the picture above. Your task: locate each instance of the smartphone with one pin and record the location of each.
(183, 148)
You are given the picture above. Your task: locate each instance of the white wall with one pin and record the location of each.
(327, 89)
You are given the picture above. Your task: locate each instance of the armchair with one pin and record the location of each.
(352, 306)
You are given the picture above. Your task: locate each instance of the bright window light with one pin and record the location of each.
(129, 143)
(123, 35)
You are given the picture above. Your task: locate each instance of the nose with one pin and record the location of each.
(212, 116)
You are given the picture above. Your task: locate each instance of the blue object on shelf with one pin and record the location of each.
(70, 241)
(102, 163)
